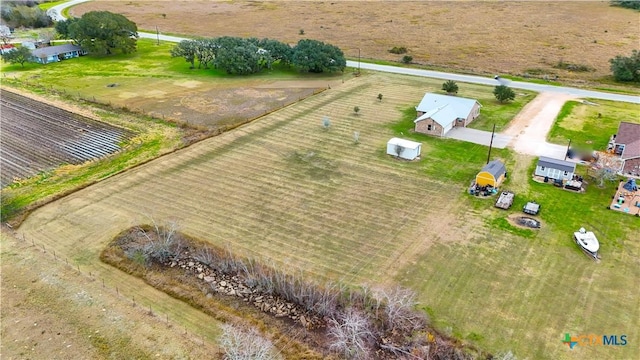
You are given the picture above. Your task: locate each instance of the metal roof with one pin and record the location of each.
(445, 109)
(407, 144)
(557, 164)
(55, 50)
(495, 168)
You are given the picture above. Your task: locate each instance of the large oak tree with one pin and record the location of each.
(101, 32)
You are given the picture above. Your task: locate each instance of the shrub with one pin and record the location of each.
(450, 87)
(407, 59)
(626, 68)
(398, 50)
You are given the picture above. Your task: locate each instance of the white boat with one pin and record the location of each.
(588, 242)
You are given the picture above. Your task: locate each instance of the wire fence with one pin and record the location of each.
(148, 306)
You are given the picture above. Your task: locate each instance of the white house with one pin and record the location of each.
(437, 114)
(405, 149)
(555, 169)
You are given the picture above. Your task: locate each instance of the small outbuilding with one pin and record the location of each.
(404, 149)
(492, 174)
(555, 169)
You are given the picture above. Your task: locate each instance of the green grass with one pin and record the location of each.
(492, 111)
(521, 290)
(49, 4)
(590, 126)
(149, 61)
(448, 159)
(500, 114)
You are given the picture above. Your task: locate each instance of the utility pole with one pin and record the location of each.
(491, 142)
(568, 147)
(158, 34)
(358, 61)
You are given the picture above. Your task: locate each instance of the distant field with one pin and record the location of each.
(488, 37)
(288, 191)
(591, 126)
(38, 137)
(149, 81)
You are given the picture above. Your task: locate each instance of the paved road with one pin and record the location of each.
(529, 145)
(56, 13)
(490, 81)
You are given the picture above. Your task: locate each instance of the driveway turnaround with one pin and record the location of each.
(530, 127)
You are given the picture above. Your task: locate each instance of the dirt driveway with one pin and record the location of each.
(530, 127)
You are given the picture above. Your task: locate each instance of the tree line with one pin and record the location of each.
(245, 56)
(24, 13)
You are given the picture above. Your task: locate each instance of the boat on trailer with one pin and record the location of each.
(588, 242)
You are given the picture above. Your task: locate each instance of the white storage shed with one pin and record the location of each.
(405, 149)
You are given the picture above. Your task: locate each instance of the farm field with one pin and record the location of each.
(151, 82)
(38, 137)
(287, 191)
(535, 37)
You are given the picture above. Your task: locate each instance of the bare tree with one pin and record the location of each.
(356, 137)
(351, 335)
(356, 109)
(239, 344)
(606, 168)
(399, 310)
(162, 243)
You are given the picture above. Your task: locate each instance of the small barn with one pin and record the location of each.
(555, 169)
(492, 174)
(404, 149)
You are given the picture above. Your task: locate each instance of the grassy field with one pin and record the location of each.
(591, 126)
(285, 190)
(51, 311)
(489, 37)
(149, 81)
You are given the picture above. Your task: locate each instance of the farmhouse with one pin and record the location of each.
(626, 144)
(56, 53)
(555, 169)
(6, 48)
(492, 174)
(404, 149)
(437, 114)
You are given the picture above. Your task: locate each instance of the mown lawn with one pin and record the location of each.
(591, 125)
(522, 290)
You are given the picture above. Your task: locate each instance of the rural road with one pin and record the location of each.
(523, 138)
(56, 13)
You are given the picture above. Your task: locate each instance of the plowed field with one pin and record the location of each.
(36, 137)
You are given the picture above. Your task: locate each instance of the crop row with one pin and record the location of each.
(37, 137)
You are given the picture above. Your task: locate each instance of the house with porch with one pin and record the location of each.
(626, 144)
(437, 114)
(45, 55)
